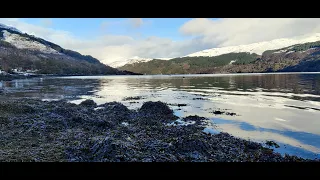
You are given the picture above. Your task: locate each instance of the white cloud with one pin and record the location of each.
(204, 34)
(228, 32)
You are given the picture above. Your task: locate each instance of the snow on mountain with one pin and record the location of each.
(9, 28)
(132, 60)
(25, 43)
(257, 48)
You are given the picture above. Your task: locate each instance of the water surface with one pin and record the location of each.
(281, 107)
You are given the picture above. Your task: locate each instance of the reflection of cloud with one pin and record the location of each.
(279, 119)
(260, 110)
(235, 130)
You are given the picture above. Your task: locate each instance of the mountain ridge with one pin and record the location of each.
(24, 51)
(295, 58)
(257, 48)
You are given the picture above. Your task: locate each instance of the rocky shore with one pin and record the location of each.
(34, 130)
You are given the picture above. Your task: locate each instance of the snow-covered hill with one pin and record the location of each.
(28, 52)
(26, 43)
(259, 47)
(9, 28)
(133, 60)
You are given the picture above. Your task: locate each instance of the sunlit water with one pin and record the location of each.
(281, 107)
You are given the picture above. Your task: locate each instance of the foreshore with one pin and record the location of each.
(58, 131)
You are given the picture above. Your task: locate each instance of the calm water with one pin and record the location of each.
(281, 107)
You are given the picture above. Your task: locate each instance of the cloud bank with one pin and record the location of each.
(202, 34)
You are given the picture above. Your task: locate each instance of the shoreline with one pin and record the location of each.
(58, 131)
(14, 77)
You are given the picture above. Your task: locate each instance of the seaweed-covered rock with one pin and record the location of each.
(115, 107)
(88, 102)
(60, 131)
(156, 108)
(16, 108)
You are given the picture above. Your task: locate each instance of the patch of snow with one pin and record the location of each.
(132, 60)
(26, 43)
(231, 62)
(164, 58)
(9, 28)
(281, 51)
(289, 52)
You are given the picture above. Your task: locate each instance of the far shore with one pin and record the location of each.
(17, 76)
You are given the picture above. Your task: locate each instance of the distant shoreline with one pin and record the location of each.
(196, 75)
(14, 77)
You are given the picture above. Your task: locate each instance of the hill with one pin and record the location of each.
(295, 58)
(26, 52)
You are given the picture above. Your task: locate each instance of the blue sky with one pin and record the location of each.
(119, 39)
(87, 27)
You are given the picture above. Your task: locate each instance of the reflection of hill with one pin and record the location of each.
(291, 83)
(50, 88)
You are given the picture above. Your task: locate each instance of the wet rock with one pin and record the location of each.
(199, 98)
(114, 107)
(179, 105)
(218, 112)
(133, 98)
(89, 103)
(155, 108)
(252, 145)
(231, 113)
(16, 108)
(133, 102)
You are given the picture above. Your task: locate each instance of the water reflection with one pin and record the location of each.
(281, 107)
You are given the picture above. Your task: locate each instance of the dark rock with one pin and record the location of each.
(88, 102)
(115, 107)
(253, 145)
(155, 108)
(179, 105)
(218, 112)
(133, 98)
(231, 113)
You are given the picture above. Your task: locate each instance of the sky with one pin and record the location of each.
(116, 39)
